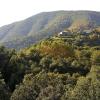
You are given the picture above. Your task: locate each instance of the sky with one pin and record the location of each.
(16, 10)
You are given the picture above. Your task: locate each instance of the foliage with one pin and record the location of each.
(53, 69)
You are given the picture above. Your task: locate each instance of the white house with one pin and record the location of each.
(64, 33)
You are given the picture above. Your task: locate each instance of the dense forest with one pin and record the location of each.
(56, 68)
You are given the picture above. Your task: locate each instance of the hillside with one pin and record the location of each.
(57, 68)
(90, 39)
(47, 24)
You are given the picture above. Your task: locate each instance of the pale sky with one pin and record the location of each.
(15, 10)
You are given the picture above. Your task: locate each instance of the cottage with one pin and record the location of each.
(64, 33)
(86, 32)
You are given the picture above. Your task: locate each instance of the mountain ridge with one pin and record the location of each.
(49, 23)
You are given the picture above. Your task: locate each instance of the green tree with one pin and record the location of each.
(4, 93)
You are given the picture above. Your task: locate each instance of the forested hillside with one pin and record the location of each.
(78, 38)
(56, 68)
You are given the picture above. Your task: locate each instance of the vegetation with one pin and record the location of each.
(57, 68)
